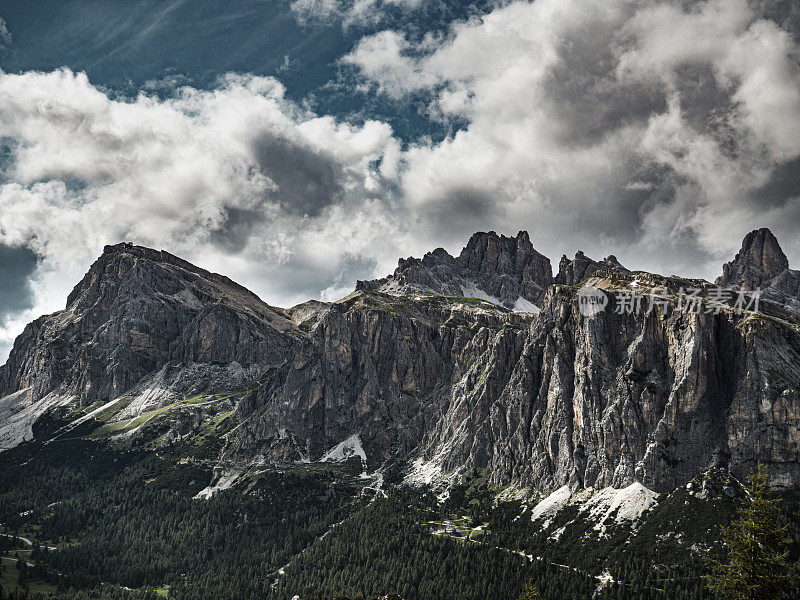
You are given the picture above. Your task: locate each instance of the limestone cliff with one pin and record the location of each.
(434, 382)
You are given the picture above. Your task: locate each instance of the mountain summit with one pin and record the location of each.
(504, 270)
(757, 264)
(507, 271)
(762, 265)
(136, 310)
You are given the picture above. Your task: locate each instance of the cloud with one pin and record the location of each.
(661, 131)
(17, 266)
(5, 34)
(616, 126)
(349, 12)
(235, 178)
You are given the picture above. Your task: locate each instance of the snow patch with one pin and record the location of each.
(523, 305)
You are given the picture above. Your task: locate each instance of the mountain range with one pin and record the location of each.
(450, 430)
(451, 363)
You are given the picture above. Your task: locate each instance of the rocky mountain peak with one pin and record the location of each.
(761, 264)
(580, 268)
(761, 246)
(506, 270)
(492, 253)
(134, 311)
(125, 265)
(502, 269)
(760, 260)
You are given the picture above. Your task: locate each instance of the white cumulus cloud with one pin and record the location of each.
(607, 125)
(236, 178)
(661, 131)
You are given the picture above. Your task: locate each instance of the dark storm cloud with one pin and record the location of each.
(784, 12)
(301, 279)
(783, 186)
(460, 209)
(237, 227)
(16, 267)
(705, 103)
(587, 99)
(307, 179)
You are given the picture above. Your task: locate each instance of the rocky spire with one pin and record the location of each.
(491, 266)
(757, 264)
(580, 268)
(492, 254)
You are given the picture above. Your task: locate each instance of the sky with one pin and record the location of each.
(299, 145)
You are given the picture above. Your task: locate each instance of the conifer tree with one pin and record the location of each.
(530, 592)
(756, 565)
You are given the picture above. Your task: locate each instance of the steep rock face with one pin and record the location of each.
(379, 367)
(547, 400)
(760, 260)
(504, 269)
(135, 310)
(441, 382)
(655, 398)
(620, 398)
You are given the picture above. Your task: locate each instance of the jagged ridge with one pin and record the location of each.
(443, 381)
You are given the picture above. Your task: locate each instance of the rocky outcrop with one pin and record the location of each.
(506, 270)
(653, 398)
(135, 310)
(580, 268)
(549, 400)
(760, 261)
(378, 366)
(762, 265)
